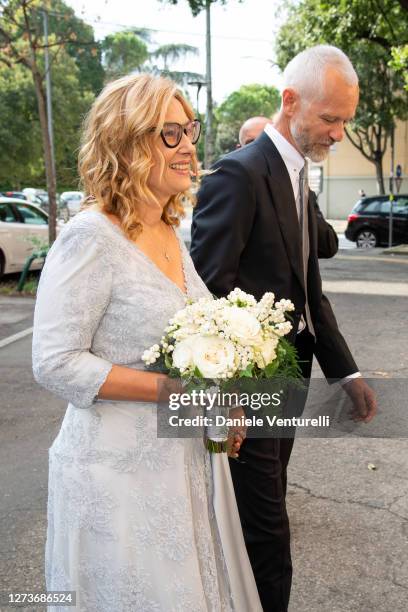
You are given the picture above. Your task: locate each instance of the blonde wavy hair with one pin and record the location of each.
(117, 147)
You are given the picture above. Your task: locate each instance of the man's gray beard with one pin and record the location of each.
(315, 152)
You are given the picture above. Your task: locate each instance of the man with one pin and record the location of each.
(255, 228)
(251, 129)
(327, 240)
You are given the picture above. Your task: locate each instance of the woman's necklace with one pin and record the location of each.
(166, 244)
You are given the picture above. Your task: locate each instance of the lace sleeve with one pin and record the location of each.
(73, 294)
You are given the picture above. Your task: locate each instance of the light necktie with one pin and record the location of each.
(304, 235)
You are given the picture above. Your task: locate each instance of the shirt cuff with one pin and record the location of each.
(350, 377)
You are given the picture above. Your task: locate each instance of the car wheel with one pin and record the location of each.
(366, 239)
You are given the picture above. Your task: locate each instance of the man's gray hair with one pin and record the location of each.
(305, 72)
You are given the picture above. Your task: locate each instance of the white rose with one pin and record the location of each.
(242, 325)
(213, 356)
(183, 353)
(267, 352)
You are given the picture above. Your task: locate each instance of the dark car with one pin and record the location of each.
(368, 223)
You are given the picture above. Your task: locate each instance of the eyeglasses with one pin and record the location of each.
(172, 133)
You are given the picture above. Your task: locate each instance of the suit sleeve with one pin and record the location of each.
(222, 223)
(327, 240)
(331, 349)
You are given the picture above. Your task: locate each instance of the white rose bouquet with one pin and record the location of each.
(218, 341)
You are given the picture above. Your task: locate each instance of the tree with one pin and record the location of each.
(171, 53)
(21, 156)
(128, 51)
(400, 62)
(366, 30)
(123, 52)
(22, 43)
(80, 45)
(247, 101)
(21, 147)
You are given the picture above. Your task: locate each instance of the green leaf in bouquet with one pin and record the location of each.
(168, 361)
(173, 373)
(271, 368)
(197, 373)
(248, 372)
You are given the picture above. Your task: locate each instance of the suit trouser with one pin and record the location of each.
(259, 478)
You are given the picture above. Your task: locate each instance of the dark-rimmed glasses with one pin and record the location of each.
(172, 133)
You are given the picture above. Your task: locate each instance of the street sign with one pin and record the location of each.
(398, 180)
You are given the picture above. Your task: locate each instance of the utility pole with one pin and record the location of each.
(208, 145)
(51, 187)
(390, 228)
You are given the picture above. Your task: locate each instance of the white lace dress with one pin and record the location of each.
(131, 522)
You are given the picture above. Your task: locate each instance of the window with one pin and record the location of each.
(31, 216)
(385, 207)
(6, 214)
(371, 207)
(400, 207)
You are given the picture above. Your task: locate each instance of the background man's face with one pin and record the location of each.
(320, 123)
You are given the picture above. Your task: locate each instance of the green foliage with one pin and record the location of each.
(123, 52)
(127, 51)
(247, 101)
(76, 75)
(20, 135)
(80, 45)
(399, 61)
(366, 31)
(173, 52)
(21, 160)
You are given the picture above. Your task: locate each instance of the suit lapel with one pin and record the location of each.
(280, 187)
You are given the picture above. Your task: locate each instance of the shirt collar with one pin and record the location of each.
(292, 158)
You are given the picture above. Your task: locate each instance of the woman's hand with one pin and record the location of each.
(236, 433)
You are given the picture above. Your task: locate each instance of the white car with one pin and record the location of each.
(23, 227)
(72, 200)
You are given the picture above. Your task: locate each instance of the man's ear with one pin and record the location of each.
(290, 101)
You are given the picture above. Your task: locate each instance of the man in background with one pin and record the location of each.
(251, 129)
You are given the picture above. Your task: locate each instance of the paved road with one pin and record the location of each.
(349, 523)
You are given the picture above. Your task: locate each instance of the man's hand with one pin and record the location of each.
(236, 434)
(363, 398)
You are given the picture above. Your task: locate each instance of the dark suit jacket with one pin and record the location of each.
(327, 240)
(245, 233)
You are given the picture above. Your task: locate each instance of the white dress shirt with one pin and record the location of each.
(292, 159)
(294, 163)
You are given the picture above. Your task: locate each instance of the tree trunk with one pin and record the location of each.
(380, 175)
(49, 170)
(378, 161)
(208, 145)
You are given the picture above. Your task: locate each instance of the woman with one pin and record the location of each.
(131, 524)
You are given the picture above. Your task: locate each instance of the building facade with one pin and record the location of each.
(346, 171)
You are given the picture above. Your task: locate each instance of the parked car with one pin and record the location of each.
(21, 225)
(14, 194)
(72, 201)
(368, 223)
